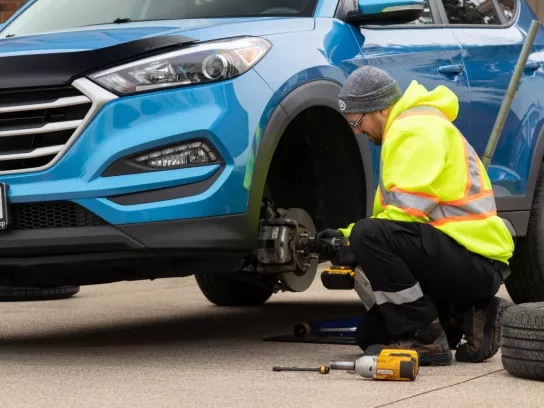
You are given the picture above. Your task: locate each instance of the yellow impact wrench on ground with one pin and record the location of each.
(389, 365)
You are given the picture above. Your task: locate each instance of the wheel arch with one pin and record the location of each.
(321, 92)
(516, 209)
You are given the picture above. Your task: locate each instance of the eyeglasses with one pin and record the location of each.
(355, 124)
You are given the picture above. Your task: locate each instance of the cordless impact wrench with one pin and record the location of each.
(389, 365)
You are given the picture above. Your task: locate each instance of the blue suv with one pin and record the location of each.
(145, 139)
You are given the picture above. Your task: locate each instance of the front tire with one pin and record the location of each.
(526, 283)
(223, 290)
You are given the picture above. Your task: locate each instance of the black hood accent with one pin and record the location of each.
(57, 69)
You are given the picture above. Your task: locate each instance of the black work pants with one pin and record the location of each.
(417, 272)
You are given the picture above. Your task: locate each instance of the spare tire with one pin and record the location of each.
(30, 294)
(522, 340)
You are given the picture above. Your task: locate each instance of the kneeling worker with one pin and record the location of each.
(434, 250)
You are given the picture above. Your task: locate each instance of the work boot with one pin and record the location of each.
(482, 330)
(430, 342)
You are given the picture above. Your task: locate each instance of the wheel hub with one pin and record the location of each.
(283, 249)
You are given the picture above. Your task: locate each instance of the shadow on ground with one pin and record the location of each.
(202, 325)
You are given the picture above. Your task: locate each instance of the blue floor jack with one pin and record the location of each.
(339, 278)
(340, 328)
(335, 331)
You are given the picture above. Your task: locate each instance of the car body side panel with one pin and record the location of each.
(324, 54)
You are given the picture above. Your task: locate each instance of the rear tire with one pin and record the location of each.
(526, 283)
(522, 340)
(31, 294)
(223, 290)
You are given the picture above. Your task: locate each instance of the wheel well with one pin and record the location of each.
(318, 166)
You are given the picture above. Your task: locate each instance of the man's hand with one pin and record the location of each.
(327, 234)
(323, 243)
(327, 251)
(345, 257)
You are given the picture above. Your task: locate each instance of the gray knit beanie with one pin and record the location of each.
(368, 89)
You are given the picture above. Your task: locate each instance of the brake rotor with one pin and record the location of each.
(306, 266)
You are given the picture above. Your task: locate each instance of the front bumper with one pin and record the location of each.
(184, 238)
(96, 252)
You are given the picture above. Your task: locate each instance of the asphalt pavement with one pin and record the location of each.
(162, 344)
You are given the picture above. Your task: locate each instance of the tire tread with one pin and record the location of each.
(522, 340)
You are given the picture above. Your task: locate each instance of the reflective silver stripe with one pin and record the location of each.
(473, 169)
(482, 205)
(407, 200)
(398, 298)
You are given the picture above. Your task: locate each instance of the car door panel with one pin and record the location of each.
(490, 54)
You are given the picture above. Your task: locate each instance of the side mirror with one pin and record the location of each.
(384, 11)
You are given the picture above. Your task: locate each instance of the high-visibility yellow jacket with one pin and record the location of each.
(431, 174)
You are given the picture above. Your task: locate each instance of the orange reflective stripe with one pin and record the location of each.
(476, 202)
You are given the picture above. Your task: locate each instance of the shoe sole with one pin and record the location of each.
(492, 328)
(492, 331)
(443, 359)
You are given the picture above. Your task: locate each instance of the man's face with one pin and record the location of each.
(370, 124)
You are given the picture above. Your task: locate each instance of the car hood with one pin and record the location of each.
(58, 58)
(107, 35)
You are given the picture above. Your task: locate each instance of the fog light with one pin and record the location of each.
(186, 154)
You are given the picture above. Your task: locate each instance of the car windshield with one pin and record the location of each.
(52, 15)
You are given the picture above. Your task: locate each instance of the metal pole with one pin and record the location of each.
(510, 93)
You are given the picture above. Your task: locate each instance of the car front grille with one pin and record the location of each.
(36, 125)
(60, 214)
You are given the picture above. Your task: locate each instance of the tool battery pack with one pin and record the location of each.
(338, 278)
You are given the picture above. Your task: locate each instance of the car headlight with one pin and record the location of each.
(198, 64)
